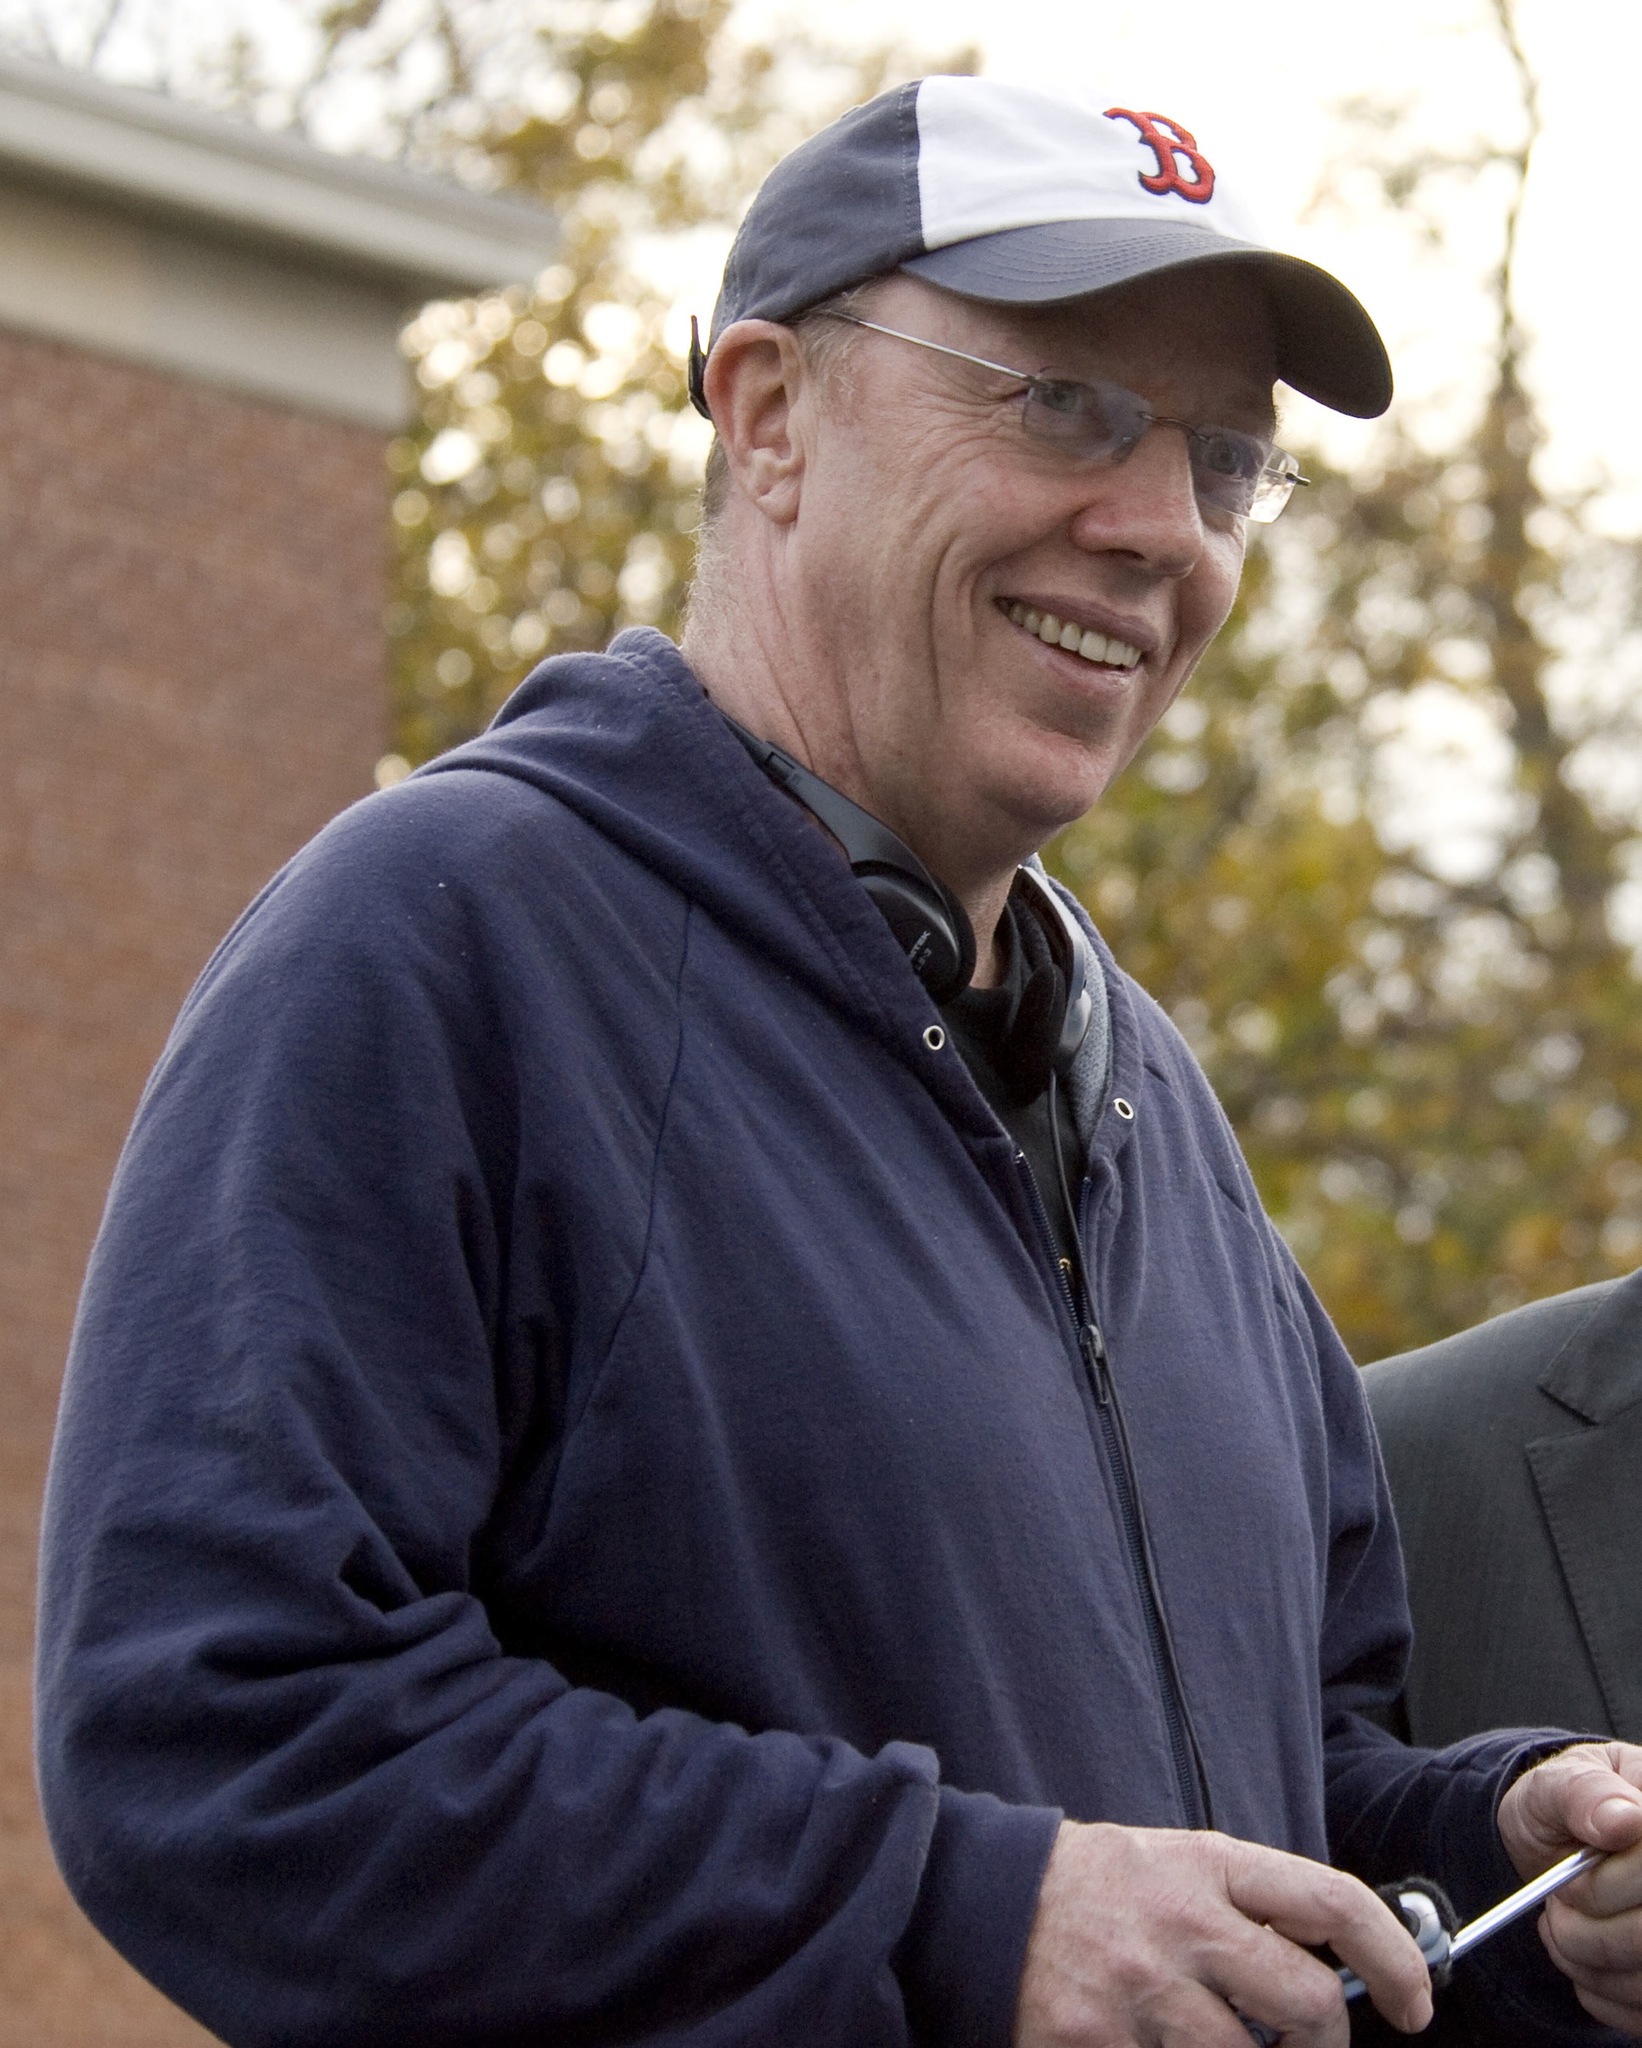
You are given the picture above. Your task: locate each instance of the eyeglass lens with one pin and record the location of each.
(1232, 471)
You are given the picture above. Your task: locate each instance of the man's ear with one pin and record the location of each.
(753, 382)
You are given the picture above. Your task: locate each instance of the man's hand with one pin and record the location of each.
(1588, 1795)
(1151, 1936)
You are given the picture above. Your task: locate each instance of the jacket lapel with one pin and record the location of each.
(1590, 1486)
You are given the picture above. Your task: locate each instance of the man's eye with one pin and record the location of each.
(1070, 401)
(1223, 453)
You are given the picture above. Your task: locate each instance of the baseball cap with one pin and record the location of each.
(1004, 194)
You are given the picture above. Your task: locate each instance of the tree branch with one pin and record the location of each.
(100, 34)
(1528, 85)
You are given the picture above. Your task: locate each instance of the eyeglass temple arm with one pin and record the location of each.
(940, 347)
(698, 355)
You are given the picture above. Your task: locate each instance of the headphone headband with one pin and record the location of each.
(866, 839)
(931, 924)
(928, 920)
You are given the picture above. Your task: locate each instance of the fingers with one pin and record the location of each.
(1614, 1886)
(1603, 1961)
(1265, 1976)
(1624, 2019)
(1154, 1936)
(1588, 1795)
(1205, 2016)
(1593, 1929)
(1593, 1946)
(1314, 1906)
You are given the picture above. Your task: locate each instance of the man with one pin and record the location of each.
(617, 1483)
(1514, 1453)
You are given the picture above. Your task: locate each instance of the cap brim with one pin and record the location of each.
(1327, 346)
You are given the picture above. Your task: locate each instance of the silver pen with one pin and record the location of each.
(1522, 1901)
(1438, 1947)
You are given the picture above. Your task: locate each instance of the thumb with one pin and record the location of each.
(1615, 1819)
(1578, 1799)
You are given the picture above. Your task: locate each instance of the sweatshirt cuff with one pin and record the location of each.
(960, 1960)
(1512, 1992)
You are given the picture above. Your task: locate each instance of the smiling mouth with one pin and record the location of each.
(1094, 647)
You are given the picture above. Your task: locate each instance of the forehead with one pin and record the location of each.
(1201, 334)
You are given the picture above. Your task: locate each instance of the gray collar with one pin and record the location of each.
(1091, 1076)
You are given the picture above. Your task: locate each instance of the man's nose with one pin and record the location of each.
(1146, 505)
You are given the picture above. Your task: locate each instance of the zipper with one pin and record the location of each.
(1190, 1780)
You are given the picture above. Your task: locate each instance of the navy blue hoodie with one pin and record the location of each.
(577, 1515)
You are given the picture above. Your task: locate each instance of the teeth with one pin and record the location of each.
(1053, 632)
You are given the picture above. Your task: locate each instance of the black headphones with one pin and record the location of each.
(1066, 943)
(930, 924)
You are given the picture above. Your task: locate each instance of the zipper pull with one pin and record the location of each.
(1093, 1346)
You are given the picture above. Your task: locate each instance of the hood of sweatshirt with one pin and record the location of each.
(605, 734)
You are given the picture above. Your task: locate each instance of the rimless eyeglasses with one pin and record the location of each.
(1103, 423)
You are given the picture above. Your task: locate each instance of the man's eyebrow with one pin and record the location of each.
(1263, 408)
(1259, 400)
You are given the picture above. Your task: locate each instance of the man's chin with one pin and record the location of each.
(1047, 794)
(1022, 823)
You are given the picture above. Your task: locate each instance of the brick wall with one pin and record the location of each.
(191, 683)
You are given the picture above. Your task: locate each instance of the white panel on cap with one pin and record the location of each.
(994, 156)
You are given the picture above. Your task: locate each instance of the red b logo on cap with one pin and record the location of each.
(1169, 142)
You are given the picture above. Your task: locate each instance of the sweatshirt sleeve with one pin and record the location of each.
(287, 1766)
(1395, 1811)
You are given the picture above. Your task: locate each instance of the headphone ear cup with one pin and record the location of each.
(1066, 947)
(940, 948)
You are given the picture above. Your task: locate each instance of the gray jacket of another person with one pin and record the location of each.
(1514, 1452)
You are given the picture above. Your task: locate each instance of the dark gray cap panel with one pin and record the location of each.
(842, 207)
(1327, 346)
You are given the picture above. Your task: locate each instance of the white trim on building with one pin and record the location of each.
(137, 225)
